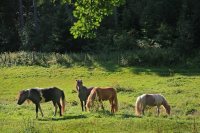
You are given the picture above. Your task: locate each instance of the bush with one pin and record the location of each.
(142, 57)
(124, 41)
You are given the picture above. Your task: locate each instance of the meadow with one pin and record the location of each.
(179, 86)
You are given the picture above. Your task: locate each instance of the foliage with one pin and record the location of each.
(9, 37)
(115, 25)
(89, 14)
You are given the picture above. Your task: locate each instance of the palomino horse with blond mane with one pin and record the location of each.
(102, 94)
(151, 100)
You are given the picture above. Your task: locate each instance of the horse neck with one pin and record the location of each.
(165, 104)
(28, 94)
(33, 96)
(79, 86)
(93, 95)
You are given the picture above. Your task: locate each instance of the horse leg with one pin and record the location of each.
(112, 106)
(158, 110)
(40, 110)
(60, 107)
(56, 107)
(101, 102)
(82, 105)
(85, 104)
(36, 109)
(143, 108)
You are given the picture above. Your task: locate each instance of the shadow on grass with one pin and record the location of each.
(105, 113)
(129, 116)
(110, 61)
(166, 72)
(63, 118)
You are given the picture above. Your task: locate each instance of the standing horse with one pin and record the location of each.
(102, 94)
(151, 100)
(83, 93)
(38, 96)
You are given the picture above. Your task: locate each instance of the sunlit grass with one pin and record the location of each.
(181, 91)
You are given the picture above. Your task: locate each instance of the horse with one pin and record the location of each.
(102, 94)
(83, 93)
(39, 95)
(151, 100)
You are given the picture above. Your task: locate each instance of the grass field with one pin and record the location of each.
(180, 87)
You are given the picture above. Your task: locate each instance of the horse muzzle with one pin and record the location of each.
(19, 103)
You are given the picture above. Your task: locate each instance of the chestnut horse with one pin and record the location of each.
(38, 96)
(83, 93)
(151, 100)
(102, 94)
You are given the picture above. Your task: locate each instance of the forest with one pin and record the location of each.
(167, 28)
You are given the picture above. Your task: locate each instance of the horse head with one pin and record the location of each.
(23, 95)
(168, 108)
(79, 83)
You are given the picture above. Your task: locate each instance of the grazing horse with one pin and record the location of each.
(38, 96)
(151, 100)
(102, 94)
(83, 93)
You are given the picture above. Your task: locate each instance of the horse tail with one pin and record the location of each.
(115, 102)
(63, 101)
(138, 106)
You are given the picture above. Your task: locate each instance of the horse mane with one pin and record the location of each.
(91, 98)
(92, 95)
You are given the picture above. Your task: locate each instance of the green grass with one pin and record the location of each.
(180, 87)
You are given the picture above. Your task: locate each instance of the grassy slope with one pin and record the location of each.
(180, 89)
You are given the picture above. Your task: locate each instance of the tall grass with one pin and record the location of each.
(144, 57)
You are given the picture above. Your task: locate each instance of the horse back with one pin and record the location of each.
(106, 93)
(51, 94)
(154, 99)
(150, 100)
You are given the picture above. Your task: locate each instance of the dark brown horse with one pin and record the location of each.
(83, 93)
(38, 96)
(102, 94)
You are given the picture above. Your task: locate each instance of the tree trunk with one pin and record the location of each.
(21, 18)
(116, 17)
(35, 16)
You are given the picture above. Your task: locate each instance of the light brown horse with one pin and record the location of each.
(102, 94)
(151, 100)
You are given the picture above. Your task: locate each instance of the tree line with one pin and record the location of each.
(95, 25)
